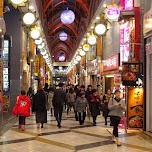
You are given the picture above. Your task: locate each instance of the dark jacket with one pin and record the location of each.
(40, 101)
(94, 105)
(87, 95)
(59, 98)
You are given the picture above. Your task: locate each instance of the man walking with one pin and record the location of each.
(58, 103)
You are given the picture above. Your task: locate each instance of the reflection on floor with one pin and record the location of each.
(71, 138)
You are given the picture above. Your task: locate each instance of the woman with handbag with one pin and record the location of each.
(116, 106)
(22, 109)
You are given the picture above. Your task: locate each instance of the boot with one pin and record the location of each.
(118, 142)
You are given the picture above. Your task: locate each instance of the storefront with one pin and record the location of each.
(148, 64)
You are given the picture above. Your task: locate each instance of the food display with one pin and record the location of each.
(129, 76)
(136, 121)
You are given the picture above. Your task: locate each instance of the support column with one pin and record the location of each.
(2, 32)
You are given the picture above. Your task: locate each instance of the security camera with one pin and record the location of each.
(6, 9)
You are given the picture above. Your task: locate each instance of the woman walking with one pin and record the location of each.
(22, 109)
(116, 106)
(50, 98)
(94, 105)
(81, 104)
(106, 99)
(71, 97)
(40, 107)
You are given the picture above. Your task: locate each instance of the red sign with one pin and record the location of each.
(111, 63)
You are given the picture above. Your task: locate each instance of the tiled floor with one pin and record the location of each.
(71, 138)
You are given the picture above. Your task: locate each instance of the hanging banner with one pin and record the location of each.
(135, 107)
(37, 65)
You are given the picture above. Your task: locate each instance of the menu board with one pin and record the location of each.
(6, 65)
(131, 72)
(135, 107)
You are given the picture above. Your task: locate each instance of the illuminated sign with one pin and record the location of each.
(113, 13)
(129, 4)
(111, 63)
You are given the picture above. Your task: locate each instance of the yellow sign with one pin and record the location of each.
(37, 65)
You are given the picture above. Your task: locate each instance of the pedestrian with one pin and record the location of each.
(22, 109)
(50, 98)
(81, 105)
(30, 94)
(94, 105)
(40, 107)
(106, 99)
(46, 87)
(58, 103)
(88, 92)
(116, 106)
(71, 98)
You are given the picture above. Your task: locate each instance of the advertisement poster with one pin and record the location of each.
(135, 107)
(6, 103)
(117, 79)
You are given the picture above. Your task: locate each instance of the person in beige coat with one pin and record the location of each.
(50, 98)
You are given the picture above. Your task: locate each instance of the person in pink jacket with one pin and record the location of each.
(22, 109)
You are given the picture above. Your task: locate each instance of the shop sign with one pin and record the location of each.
(129, 4)
(147, 22)
(37, 65)
(148, 48)
(111, 63)
(135, 107)
(113, 13)
(117, 79)
(132, 74)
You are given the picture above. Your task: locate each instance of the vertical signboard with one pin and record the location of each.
(135, 107)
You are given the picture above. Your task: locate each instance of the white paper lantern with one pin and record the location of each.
(82, 53)
(75, 62)
(60, 68)
(113, 13)
(17, 1)
(41, 46)
(29, 18)
(38, 41)
(63, 36)
(43, 51)
(35, 34)
(46, 56)
(92, 40)
(100, 29)
(78, 58)
(67, 17)
(86, 47)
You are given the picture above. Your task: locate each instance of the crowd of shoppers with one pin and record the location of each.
(70, 97)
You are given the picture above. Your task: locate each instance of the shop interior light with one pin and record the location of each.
(38, 41)
(86, 47)
(78, 58)
(100, 29)
(92, 40)
(29, 18)
(41, 46)
(82, 53)
(35, 34)
(67, 16)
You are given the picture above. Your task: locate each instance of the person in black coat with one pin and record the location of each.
(88, 92)
(58, 103)
(40, 107)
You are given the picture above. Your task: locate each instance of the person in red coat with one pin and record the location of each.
(22, 108)
(94, 105)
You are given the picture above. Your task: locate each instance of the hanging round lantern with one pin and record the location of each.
(35, 34)
(38, 41)
(46, 56)
(78, 58)
(113, 13)
(43, 51)
(92, 40)
(86, 47)
(29, 18)
(41, 46)
(67, 16)
(63, 36)
(75, 62)
(82, 53)
(17, 1)
(100, 29)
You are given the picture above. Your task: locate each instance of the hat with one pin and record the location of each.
(81, 93)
